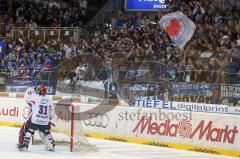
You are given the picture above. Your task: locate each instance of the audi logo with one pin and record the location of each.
(97, 120)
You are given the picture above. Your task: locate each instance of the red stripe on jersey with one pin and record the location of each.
(31, 103)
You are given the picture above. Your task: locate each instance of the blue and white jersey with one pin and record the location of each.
(41, 107)
(30, 96)
(42, 110)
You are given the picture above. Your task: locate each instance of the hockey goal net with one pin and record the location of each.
(67, 129)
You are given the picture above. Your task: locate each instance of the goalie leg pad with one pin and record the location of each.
(21, 134)
(47, 139)
(26, 140)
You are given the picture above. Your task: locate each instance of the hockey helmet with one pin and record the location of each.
(41, 90)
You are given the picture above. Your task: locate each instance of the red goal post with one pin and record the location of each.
(68, 129)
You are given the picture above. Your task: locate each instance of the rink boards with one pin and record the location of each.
(197, 131)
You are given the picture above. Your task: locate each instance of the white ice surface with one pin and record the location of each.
(107, 150)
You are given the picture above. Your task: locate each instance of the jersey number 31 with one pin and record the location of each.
(42, 110)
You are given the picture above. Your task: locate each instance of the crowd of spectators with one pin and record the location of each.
(212, 55)
(37, 13)
(25, 59)
(132, 44)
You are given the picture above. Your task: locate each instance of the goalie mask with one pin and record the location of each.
(41, 90)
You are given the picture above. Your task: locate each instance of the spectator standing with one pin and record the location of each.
(172, 71)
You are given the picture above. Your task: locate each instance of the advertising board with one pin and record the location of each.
(198, 131)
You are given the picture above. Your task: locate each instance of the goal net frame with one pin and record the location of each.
(73, 130)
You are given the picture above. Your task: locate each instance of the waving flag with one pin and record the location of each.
(179, 28)
(48, 64)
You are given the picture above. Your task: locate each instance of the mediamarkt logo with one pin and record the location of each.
(204, 130)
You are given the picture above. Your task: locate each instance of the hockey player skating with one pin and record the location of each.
(41, 112)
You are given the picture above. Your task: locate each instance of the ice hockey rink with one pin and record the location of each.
(107, 150)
